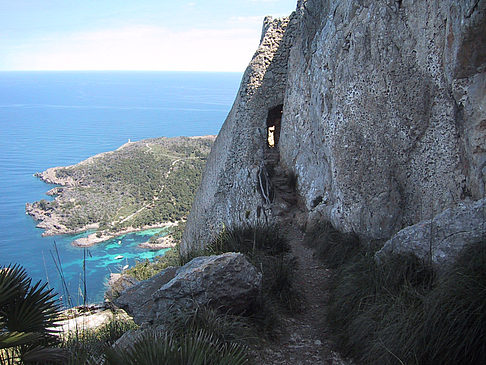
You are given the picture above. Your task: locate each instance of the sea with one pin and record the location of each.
(52, 119)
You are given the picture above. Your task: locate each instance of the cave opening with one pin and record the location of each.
(274, 120)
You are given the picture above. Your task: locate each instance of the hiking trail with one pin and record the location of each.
(302, 338)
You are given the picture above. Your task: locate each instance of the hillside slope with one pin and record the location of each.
(143, 183)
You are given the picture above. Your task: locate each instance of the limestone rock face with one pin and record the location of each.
(441, 238)
(117, 284)
(375, 121)
(228, 282)
(384, 116)
(137, 299)
(229, 193)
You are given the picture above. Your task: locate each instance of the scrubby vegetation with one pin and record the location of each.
(400, 311)
(200, 336)
(143, 270)
(144, 183)
(28, 314)
(87, 346)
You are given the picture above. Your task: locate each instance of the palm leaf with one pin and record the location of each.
(13, 339)
(13, 280)
(195, 348)
(33, 311)
(40, 354)
(28, 315)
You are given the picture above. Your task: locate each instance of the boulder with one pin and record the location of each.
(117, 284)
(137, 299)
(128, 338)
(228, 282)
(441, 238)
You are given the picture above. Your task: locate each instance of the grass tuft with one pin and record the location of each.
(88, 345)
(251, 241)
(195, 348)
(331, 246)
(401, 312)
(224, 326)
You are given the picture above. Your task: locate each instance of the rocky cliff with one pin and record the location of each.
(379, 107)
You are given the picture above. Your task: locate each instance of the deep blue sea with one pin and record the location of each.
(52, 119)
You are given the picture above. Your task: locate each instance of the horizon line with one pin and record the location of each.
(128, 70)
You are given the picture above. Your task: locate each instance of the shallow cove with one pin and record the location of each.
(100, 259)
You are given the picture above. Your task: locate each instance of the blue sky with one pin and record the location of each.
(193, 35)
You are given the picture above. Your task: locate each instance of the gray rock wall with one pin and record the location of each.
(384, 116)
(228, 193)
(373, 120)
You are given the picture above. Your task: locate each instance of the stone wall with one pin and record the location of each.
(229, 193)
(384, 116)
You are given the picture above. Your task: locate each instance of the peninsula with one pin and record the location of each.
(142, 185)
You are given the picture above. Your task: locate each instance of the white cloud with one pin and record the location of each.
(250, 21)
(143, 48)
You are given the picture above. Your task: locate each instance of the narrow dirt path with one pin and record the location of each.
(302, 338)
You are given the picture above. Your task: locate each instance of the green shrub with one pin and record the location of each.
(143, 270)
(399, 311)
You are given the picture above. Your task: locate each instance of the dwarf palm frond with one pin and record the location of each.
(196, 348)
(28, 315)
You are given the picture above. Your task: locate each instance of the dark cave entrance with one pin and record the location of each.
(274, 121)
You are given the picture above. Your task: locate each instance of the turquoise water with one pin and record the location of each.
(60, 118)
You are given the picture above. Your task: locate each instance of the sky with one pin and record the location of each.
(175, 35)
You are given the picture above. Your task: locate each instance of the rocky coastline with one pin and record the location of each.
(98, 237)
(141, 185)
(50, 221)
(159, 244)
